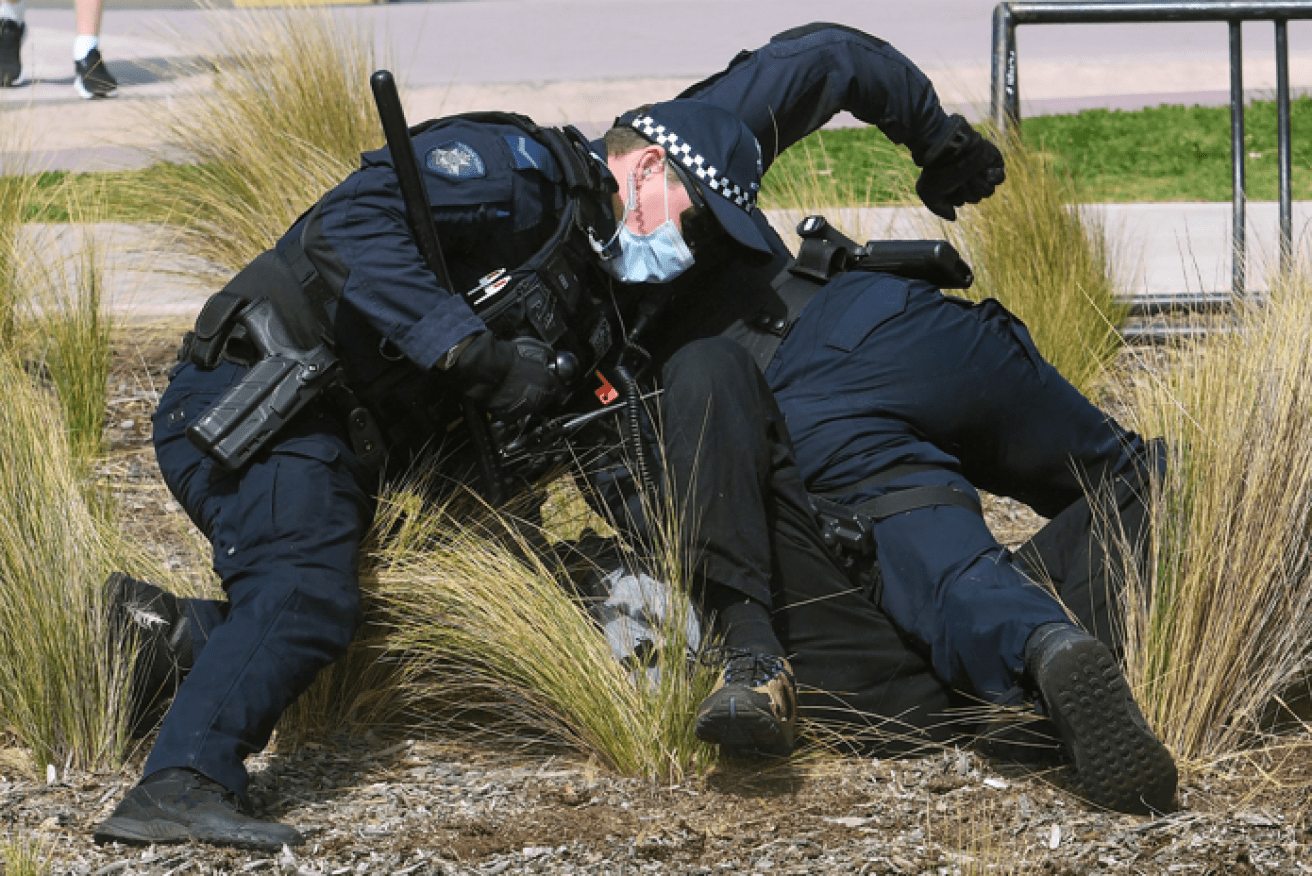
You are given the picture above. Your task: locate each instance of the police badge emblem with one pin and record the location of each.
(456, 160)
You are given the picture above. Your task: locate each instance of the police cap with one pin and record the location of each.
(717, 151)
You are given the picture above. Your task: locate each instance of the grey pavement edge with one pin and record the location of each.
(1166, 249)
(584, 61)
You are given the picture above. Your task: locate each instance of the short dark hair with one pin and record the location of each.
(623, 139)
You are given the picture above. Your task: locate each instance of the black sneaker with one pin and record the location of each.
(151, 621)
(1119, 761)
(753, 708)
(11, 47)
(180, 805)
(93, 78)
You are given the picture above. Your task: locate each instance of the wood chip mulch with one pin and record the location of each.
(446, 803)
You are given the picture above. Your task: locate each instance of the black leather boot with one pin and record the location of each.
(1120, 762)
(181, 805)
(152, 622)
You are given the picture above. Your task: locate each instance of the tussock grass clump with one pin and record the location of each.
(1049, 261)
(68, 332)
(77, 329)
(23, 856)
(483, 624)
(286, 117)
(20, 195)
(1219, 623)
(65, 694)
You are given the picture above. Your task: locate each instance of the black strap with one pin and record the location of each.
(889, 504)
(292, 251)
(763, 332)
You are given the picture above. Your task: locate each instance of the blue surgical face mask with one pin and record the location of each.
(657, 257)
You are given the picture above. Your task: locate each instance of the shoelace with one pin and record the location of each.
(742, 667)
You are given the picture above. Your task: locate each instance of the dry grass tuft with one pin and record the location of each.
(24, 856)
(483, 624)
(1220, 622)
(18, 196)
(68, 331)
(55, 549)
(63, 703)
(285, 119)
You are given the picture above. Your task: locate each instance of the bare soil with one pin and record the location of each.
(455, 804)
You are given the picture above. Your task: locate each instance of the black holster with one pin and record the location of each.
(264, 319)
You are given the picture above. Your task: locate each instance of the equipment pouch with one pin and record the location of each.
(204, 345)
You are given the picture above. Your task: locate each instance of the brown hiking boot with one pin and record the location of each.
(753, 708)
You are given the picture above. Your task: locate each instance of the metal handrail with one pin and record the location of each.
(1006, 92)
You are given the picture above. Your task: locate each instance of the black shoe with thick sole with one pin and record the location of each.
(91, 78)
(11, 52)
(1119, 761)
(753, 709)
(151, 622)
(180, 805)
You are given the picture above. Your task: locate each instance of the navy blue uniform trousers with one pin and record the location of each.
(732, 468)
(880, 371)
(286, 533)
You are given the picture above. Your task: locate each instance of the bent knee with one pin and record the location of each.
(710, 366)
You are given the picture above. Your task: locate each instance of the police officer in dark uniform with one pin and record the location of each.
(901, 401)
(286, 526)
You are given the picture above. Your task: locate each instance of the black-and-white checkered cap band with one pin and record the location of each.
(705, 172)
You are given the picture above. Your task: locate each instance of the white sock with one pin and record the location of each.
(83, 45)
(13, 11)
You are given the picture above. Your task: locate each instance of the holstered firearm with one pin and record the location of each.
(282, 380)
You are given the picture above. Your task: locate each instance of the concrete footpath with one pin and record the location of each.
(1164, 248)
(584, 61)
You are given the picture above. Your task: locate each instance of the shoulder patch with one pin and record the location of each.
(456, 160)
(530, 153)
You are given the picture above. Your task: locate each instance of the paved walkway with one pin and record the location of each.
(584, 61)
(1166, 249)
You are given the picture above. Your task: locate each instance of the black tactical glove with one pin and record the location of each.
(512, 379)
(960, 168)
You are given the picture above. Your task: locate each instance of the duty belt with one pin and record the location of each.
(848, 530)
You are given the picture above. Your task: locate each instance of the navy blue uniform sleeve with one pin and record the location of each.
(388, 282)
(804, 77)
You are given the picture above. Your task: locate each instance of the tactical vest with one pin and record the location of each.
(276, 314)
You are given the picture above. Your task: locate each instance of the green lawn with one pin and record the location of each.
(1173, 153)
(118, 196)
(1168, 153)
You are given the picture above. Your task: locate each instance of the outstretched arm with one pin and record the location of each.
(805, 76)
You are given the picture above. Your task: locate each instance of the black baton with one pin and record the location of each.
(406, 165)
